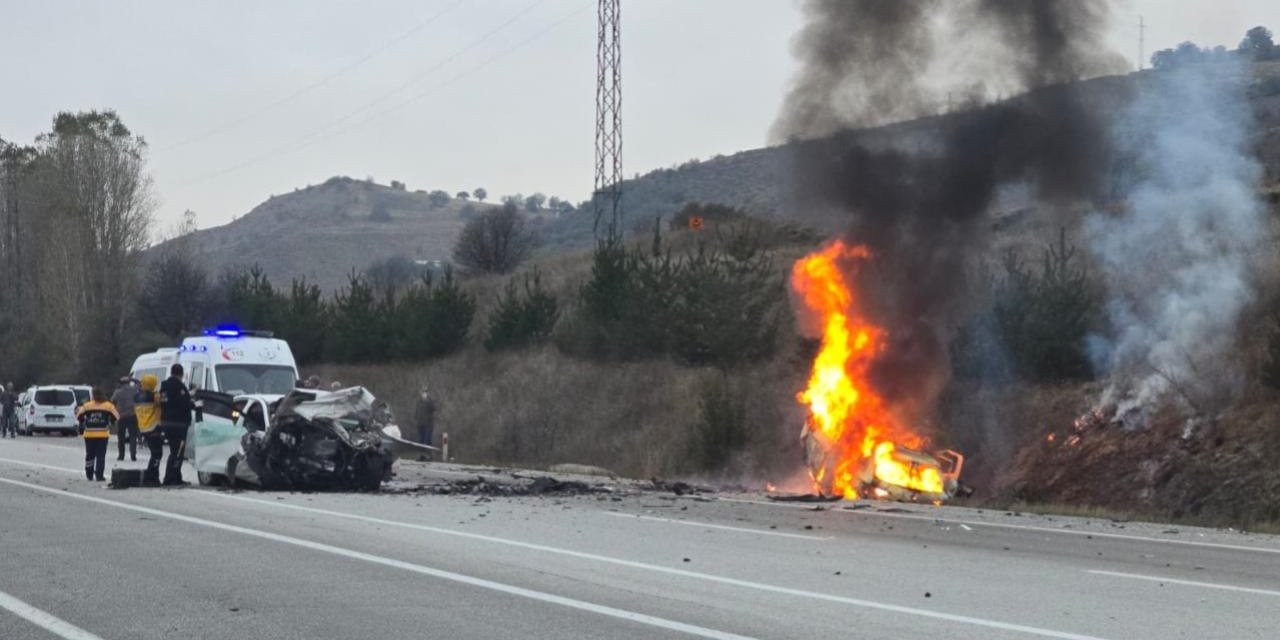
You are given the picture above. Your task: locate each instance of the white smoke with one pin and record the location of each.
(1175, 257)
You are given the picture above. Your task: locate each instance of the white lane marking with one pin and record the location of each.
(704, 525)
(42, 466)
(531, 594)
(1020, 527)
(1189, 583)
(760, 586)
(46, 621)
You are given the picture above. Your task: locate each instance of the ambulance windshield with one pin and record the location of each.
(240, 379)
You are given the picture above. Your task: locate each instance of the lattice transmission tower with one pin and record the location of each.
(607, 195)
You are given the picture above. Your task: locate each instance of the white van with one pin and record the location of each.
(50, 408)
(227, 360)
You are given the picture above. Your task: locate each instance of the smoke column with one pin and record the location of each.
(920, 200)
(1176, 257)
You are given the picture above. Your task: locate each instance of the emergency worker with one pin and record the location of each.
(175, 420)
(95, 419)
(146, 409)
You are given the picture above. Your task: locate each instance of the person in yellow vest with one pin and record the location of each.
(146, 406)
(96, 418)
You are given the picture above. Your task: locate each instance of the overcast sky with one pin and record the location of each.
(240, 99)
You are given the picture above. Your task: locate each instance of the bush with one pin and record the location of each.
(520, 319)
(1036, 324)
(726, 310)
(432, 318)
(359, 329)
(305, 321)
(716, 305)
(247, 299)
(495, 241)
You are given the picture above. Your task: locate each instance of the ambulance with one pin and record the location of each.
(227, 360)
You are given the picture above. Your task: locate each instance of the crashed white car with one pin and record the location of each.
(306, 440)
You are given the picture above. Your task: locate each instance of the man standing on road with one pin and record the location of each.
(424, 417)
(8, 412)
(127, 427)
(175, 419)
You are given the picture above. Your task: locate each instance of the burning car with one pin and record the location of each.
(335, 440)
(856, 443)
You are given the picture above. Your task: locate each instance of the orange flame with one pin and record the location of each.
(852, 426)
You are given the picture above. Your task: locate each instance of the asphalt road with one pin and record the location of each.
(78, 560)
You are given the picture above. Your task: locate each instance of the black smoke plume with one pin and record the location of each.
(918, 194)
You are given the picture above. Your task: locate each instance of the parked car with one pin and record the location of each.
(24, 401)
(83, 392)
(50, 409)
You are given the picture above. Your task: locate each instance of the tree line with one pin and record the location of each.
(1258, 45)
(75, 214)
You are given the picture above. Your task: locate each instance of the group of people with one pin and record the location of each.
(158, 412)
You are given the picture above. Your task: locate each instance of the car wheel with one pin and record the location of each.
(210, 479)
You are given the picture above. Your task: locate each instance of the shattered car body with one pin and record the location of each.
(314, 440)
(906, 475)
(886, 472)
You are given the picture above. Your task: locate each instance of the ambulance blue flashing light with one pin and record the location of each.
(232, 331)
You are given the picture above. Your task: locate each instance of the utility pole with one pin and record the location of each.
(607, 196)
(1142, 43)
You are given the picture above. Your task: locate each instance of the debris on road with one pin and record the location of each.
(803, 497)
(481, 486)
(679, 488)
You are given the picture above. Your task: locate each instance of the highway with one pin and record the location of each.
(81, 561)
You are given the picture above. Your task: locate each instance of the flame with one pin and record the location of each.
(850, 425)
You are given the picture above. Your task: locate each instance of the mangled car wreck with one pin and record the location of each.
(312, 440)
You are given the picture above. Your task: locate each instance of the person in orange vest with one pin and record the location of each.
(96, 418)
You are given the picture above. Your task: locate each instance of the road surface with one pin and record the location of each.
(78, 560)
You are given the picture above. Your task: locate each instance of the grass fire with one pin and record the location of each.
(854, 443)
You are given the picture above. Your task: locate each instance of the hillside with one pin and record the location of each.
(761, 181)
(322, 232)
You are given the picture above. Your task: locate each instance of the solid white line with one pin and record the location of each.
(1019, 527)
(705, 525)
(46, 621)
(42, 466)
(868, 604)
(1189, 583)
(397, 564)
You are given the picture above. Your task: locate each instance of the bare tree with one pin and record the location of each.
(95, 203)
(176, 293)
(495, 241)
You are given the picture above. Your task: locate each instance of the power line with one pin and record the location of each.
(330, 130)
(315, 85)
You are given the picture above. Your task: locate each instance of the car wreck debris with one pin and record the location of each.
(340, 440)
